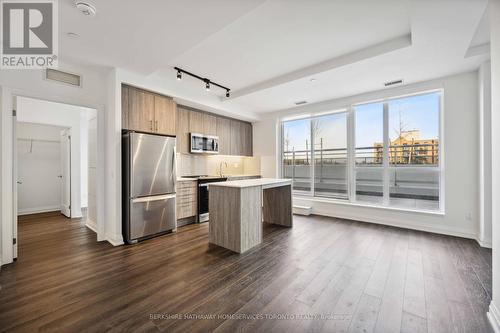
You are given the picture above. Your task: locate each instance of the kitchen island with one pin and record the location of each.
(238, 208)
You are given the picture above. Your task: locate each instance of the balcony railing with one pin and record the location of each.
(331, 170)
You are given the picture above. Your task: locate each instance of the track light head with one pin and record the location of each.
(207, 85)
(179, 75)
(227, 93)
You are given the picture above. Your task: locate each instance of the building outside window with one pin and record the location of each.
(383, 153)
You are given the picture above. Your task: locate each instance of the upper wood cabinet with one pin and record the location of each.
(125, 107)
(224, 134)
(141, 110)
(182, 131)
(247, 139)
(145, 111)
(196, 122)
(236, 138)
(165, 115)
(209, 124)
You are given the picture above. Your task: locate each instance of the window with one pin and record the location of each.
(297, 154)
(383, 153)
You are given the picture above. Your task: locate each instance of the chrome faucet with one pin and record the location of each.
(220, 168)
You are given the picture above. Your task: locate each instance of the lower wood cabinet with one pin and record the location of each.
(187, 195)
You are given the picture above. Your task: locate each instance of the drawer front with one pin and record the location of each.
(152, 215)
(186, 191)
(186, 209)
(187, 197)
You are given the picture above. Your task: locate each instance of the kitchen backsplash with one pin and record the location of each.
(209, 165)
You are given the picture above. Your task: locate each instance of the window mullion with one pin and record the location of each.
(351, 162)
(313, 167)
(385, 159)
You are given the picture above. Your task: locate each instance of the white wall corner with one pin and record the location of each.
(91, 225)
(115, 240)
(494, 317)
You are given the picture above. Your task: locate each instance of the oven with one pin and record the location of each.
(204, 144)
(203, 214)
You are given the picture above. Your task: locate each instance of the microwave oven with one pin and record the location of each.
(204, 144)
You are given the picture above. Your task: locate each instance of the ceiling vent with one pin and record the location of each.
(300, 102)
(393, 83)
(63, 77)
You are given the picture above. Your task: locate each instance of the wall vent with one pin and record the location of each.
(392, 83)
(63, 77)
(300, 102)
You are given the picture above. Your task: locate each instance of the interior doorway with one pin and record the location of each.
(55, 165)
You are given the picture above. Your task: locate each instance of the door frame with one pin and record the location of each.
(71, 206)
(8, 225)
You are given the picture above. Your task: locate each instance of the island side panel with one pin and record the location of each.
(251, 217)
(278, 205)
(225, 217)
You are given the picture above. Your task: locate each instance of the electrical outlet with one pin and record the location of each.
(468, 216)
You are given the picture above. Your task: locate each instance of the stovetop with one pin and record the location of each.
(203, 177)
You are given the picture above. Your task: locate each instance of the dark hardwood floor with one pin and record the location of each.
(348, 276)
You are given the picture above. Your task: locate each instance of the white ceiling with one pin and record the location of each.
(267, 51)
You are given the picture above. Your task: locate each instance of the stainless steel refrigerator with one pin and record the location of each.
(148, 172)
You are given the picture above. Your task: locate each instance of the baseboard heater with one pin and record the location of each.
(302, 210)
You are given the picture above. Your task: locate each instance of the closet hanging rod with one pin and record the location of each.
(37, 140)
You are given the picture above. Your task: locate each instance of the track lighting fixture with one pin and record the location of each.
(208, 82)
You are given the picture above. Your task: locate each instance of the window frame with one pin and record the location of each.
(386, 167)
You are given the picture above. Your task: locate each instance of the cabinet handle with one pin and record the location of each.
(156, 125)
(151, 125)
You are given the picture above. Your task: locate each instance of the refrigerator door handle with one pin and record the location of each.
(154, 198)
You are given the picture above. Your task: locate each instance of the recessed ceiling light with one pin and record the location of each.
(86, 8)
(72, 35)
(312, 79)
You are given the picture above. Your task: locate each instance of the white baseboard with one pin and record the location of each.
(36, 210)
(388, 222)
(302, 210)
(494, 317)
(116, 240)
(91, 225)
(486, 244)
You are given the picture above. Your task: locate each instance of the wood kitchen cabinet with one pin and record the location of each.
(209, 124)
(196, 122)
(182, 132)
(187, 204)
(247, 139)
(236, 138)
(165, 115)
(144, 111)
(224, 134)
(125, 106)
(141, 110)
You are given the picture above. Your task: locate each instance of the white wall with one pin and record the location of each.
(38, 166)
(485, 154)
(92, 173)
(76, 118)
(460, 138)
(30, 83)
(494, 313)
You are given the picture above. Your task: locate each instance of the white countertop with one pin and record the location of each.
(186, 179)
(264, 182)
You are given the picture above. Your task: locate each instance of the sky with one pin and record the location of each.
(417, 112)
